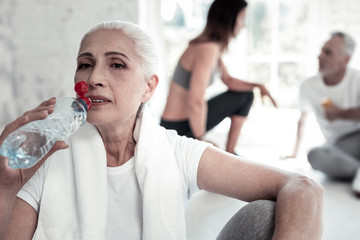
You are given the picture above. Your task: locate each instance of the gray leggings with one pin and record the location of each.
(338, 160)
(254, 221)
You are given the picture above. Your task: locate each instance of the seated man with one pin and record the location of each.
(334, 96)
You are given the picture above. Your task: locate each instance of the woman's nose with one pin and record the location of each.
(97, 78)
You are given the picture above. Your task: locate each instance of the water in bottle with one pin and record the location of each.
(31, 142)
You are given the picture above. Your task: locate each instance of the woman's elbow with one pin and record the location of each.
(194, 104)
(307, 188)
(228, 81)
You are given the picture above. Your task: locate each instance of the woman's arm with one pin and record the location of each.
(298, 199)
(205, 59)
(236, 84)
(15, 213)
(23, 221)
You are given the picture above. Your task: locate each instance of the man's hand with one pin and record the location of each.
(332, 112)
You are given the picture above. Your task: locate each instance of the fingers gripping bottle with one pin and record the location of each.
(31, 142)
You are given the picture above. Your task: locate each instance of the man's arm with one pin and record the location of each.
(333, 112)
(299, 135)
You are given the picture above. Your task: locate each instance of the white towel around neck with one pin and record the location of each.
(74, 201)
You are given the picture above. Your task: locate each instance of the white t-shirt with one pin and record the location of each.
(124, 220)
(345, 94)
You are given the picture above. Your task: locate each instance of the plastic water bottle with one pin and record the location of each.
(31, 142)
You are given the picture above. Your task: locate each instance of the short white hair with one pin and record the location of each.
(145, 46)
(349, 43)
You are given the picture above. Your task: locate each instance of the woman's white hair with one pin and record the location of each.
(145, 46)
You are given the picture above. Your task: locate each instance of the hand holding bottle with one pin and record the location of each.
(331, 110)
(11, 180)
(28, 144)
(29, 140)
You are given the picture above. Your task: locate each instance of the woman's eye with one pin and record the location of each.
(84, 66)
(118, 65)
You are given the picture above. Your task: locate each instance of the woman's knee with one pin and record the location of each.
(255, 220)
(242, 96)
(248, 96)
(244, 101)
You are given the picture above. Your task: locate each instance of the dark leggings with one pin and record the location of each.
(224, 105)
(255, 221)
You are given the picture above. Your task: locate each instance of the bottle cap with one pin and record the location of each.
(81, 88)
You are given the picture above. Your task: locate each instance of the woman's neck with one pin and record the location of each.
(119, 144)
(118, 153)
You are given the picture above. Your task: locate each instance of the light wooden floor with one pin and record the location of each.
(265, 138)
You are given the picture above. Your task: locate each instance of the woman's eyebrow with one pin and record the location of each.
(85, 54)
(88, 54)
(117, 53)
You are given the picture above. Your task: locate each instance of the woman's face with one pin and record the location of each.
(108, 63)
(240, 22)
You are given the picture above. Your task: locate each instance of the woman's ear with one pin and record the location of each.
(151, 84)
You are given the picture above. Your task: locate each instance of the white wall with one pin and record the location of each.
(343, 16)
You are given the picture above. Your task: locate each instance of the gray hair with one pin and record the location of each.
(145, 46)
(349, 45)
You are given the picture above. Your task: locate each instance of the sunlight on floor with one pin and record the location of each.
(268, 135)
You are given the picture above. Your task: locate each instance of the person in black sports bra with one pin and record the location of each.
(187, 111)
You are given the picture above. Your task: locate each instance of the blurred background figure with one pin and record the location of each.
(334, 97)
(187, 109)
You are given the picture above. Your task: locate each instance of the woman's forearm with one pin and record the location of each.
(236, 84)
(7, 202)
(197, 118)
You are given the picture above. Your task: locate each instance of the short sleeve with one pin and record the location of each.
(188, 152)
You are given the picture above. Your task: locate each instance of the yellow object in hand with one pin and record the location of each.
(326, 102)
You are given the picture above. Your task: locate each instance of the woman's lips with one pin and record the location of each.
(98, 100)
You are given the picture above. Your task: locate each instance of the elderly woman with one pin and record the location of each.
(122, 176)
